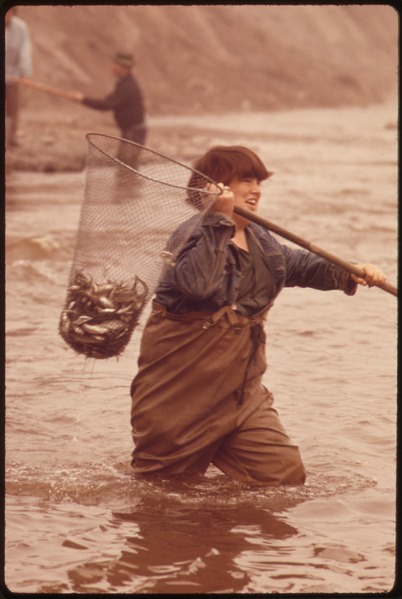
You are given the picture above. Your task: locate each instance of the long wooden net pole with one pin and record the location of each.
(47, 89)
(311, 247)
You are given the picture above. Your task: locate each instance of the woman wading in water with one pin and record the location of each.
(198, 396)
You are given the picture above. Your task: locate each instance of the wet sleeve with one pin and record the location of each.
(200, 267)
(110, 102)
(305, 269)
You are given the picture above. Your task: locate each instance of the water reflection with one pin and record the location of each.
(174, 548)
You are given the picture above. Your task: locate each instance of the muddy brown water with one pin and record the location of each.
(76, 518)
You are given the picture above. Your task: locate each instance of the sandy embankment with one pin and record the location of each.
(198, 60)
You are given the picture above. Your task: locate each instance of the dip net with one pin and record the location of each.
(135, 198)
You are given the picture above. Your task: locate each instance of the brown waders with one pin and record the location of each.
(198, 399)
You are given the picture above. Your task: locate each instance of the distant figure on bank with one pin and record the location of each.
(126, 100)
(18, 64)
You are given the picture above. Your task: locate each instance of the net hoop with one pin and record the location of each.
(89, 136)
(140, 207)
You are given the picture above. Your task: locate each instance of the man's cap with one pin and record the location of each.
(125, 59)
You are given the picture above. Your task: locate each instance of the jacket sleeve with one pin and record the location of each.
(110, 102)
(200, 266)
(305, 269)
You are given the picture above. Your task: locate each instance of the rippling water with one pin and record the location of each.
(76, 518)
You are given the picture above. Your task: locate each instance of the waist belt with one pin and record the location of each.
(210, 318)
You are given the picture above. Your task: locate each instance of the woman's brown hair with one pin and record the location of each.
(223, 163)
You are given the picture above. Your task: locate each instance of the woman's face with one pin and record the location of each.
(247, 192)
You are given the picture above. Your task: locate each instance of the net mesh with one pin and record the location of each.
(135, 198)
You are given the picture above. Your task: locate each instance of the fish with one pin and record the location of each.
(99, 317)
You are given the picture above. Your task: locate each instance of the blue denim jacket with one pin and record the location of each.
(205, 276)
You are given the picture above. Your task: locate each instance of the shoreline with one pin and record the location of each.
(56, 142)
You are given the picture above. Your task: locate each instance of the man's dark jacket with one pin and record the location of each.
(126, 101)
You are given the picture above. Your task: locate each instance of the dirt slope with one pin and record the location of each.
(194, 59)
(214, 58)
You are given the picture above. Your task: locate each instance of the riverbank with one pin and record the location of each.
(58, 144)
(291, 58)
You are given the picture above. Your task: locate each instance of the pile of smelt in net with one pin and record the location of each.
(99, 318)
(135, 198)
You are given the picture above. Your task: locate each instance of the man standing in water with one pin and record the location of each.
(126, 100)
